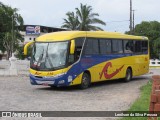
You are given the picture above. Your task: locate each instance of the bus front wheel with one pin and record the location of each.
(128, 76)
(85, 82)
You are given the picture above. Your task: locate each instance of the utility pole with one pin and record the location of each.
(133, 22)
(12, 34)
(130, 26)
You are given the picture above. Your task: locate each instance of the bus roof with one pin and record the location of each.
(68, 35)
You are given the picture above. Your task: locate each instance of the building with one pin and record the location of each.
(31, 32)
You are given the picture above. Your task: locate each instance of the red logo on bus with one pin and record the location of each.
(105, 69)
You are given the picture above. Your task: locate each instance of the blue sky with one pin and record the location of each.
(114, 12)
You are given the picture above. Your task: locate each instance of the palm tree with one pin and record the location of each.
(87, 18)
(83, 19)
(71, 22)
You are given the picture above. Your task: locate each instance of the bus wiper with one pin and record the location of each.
(40, 58)
(48, 57)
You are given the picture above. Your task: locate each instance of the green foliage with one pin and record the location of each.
(83, 19)
(20, 54)
(71, 22)
(7, 43)
(2, 48)
(9, 32)
(156, 46)
(152, 31)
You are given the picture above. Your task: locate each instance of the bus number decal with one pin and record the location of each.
(50, 73)
(105, 69)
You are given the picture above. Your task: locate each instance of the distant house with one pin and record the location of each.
(31, 32)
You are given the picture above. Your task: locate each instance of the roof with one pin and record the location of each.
(43, 28)
(68, 35)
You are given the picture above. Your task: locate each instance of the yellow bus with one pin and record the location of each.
(82, 57)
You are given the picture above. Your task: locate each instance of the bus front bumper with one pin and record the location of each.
(49, 81)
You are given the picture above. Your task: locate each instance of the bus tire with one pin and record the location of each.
(85, 82)
(128, 76)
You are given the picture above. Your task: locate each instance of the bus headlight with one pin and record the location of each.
(70, 78)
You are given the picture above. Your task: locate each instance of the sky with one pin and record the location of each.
(114, 12)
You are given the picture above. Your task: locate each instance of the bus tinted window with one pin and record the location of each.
(105, 46)
(78, 47)
(79, 41)
(144, 47)
(117, 46)
(91, 46)
(137, 46)
(128, 46)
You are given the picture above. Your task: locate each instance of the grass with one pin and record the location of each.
(142, 103)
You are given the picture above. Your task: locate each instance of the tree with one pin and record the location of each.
(7, 43)
(71, 22)
(83, 19)
(9, 32)
(152, 31)
(2, 13)
(156, 46)
(19, 53)
(87, 18)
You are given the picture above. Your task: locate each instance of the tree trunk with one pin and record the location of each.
(9, 54)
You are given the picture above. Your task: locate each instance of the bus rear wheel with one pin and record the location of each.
(128, 76)
(85, 82)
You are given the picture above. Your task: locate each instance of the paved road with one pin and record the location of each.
(17, 94)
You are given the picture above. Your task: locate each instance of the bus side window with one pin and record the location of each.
(105, 46)
(78, 47)
(128, 46)
(137, 45)
(117, 46)
(145, 47)
(91, 47)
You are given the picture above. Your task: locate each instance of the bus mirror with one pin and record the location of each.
(72, 47)
(26, 47)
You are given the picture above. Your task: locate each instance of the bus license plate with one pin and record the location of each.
(45, 82)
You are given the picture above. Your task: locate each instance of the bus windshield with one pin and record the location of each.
(49, 56)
